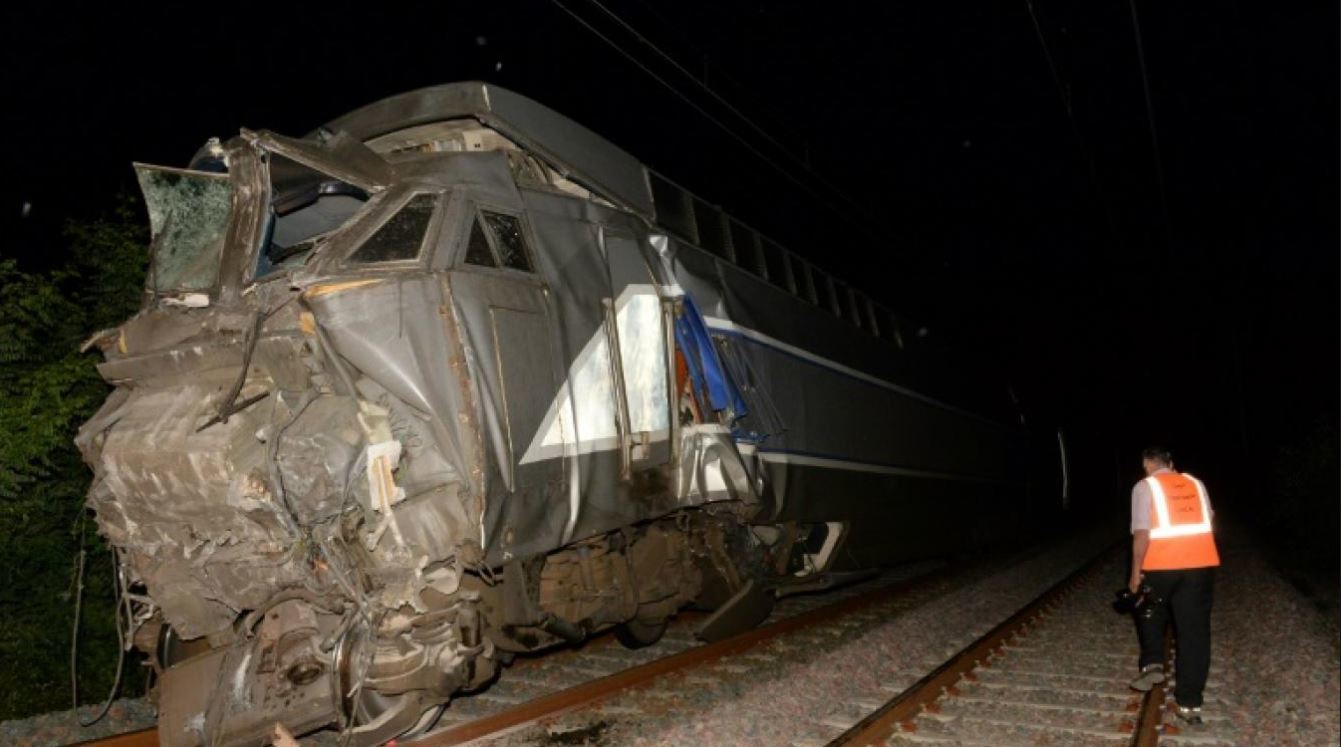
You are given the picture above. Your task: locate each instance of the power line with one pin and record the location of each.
(1065, 93)
(725, 74)
(753, 149)
(1150, 118)
(701, 84)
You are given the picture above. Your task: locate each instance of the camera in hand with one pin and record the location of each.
(1128, 602)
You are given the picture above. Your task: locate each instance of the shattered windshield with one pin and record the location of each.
(188, 215)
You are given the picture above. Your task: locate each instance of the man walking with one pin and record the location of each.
(1173, 552)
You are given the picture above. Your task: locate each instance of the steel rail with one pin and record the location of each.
(594, 691)
(922, 695)
(599, 689)
(1150, 724)
(141, 738)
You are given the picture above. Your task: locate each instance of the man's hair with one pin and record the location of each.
(1157, 454)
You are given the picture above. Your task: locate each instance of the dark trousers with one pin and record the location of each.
(1184, 596)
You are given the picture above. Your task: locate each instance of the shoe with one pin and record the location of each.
(1151, 675)
(1190, 716)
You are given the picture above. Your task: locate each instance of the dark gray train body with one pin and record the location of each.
(454, 378)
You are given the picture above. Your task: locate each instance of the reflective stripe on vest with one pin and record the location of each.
(1165, 527)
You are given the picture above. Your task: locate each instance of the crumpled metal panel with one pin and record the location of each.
(571, 148)
(337, 154)
(392, 332)
(194, 508)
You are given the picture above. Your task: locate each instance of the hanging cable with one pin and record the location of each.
(123, 637)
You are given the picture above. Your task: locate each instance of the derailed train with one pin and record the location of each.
(453, 378)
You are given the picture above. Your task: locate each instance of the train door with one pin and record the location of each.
(510, 329)
(640, 338)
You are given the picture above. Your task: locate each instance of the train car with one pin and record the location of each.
(453, 378)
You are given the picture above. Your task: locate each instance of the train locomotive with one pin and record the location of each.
(452, 378)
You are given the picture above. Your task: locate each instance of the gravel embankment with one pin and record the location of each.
(1276, 657)
(807, 687)
(62, 727)
(1275, 674)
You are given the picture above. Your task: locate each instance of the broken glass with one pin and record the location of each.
(478, 251)
(188, 216)
(511, 245)
(400, 237)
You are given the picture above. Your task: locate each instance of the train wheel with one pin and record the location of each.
(637, 633)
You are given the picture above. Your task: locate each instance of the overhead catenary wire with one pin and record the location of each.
(683, 71)
(731, 132)
(1150, 117)
(1064, 92)
(720, 72)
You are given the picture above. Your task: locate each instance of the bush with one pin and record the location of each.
(47, 389)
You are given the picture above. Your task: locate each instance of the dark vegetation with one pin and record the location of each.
(47, 389)
(1299, 512)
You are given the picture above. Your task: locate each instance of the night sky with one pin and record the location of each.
(920, 150)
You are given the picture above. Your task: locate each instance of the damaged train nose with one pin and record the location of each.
(279, 479)
(309, 544)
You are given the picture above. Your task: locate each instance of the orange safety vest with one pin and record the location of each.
(1180, 533)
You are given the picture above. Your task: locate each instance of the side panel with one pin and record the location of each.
(525, 370)
(844, 426)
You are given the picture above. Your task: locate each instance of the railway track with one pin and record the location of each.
(532, 721)
(571, 675)
(1055, 672)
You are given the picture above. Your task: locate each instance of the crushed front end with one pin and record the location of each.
(292, 512)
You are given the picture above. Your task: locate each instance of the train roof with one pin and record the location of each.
(586, 158)
(574, 150)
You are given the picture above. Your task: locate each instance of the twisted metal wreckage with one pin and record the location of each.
(454, 378)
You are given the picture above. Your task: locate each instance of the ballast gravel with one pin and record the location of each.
(1275, 656)
(1275, 673)
(808, 686)
(62, 727)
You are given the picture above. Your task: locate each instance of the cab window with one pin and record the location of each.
(496, 240)
(401, 238)
(188, 217)
(478, 251)
(306, 206)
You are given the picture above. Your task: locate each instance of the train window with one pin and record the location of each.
(854, 308)
(508, 240)
(478, 251)
(775, 259)
(306, 206)
(672, 207)
(804, 284)
(188, 216)
(711, 229)
(840, 292)
(823, 291)
(402, 236)
(868, 314)
(746, 248)
(889, 326)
